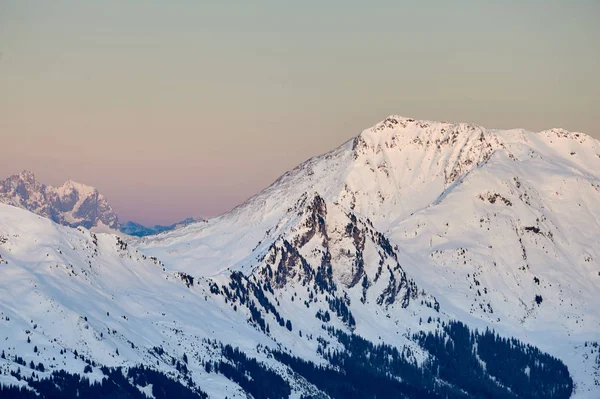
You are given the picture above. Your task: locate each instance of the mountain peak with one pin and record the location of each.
(438, 139)
(26, 175)
(72, 204)
(399, 123)
(82, 189)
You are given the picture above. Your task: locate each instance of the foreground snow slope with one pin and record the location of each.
(71, 290)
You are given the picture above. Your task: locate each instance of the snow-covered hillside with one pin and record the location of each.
(346, 262)
(71, 298)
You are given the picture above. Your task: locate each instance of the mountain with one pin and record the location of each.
(499, 226)
(87, 314)
(73, 204)
(419, 259)
(139, 230)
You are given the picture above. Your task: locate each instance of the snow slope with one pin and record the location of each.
(68, 291)
(72, 290)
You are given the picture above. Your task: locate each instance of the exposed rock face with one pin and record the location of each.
(73, 204)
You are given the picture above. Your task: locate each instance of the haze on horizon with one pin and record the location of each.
(176, 110)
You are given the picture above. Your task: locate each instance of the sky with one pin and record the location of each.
(187, 108)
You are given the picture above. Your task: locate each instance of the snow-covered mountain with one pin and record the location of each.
(72, 204)
(363, 272)
(139, 230)
(499, 226)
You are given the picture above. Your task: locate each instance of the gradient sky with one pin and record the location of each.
(182, 108)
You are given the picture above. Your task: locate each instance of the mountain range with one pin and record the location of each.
(74, 204)
(418, 259)
(139, 230)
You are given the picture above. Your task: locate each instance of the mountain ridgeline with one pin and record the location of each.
(418, 260)
(139, 230)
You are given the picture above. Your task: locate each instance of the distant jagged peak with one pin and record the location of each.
(72, 186)
(26, 175)
(72, 204)
(29, 177)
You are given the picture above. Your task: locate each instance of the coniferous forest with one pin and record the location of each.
(462, 363)
(116, 383)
